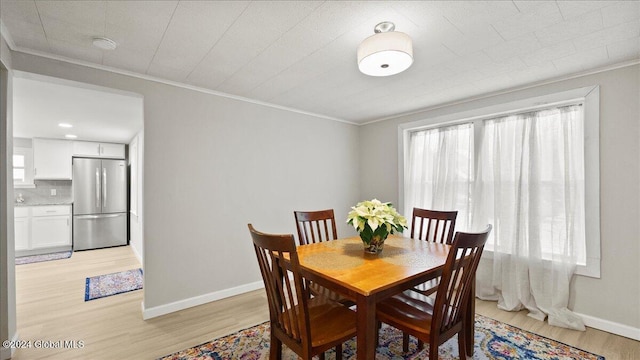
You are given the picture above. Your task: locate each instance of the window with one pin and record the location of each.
(18, 168)
(440, 170)
(529, 172)
(23, 167)
(531, 182)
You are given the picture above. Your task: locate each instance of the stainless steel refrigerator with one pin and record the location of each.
(99, 203)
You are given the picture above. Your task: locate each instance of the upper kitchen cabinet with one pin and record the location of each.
(95, 149)
(52, 159)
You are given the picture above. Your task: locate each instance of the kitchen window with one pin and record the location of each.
(23, 167)
(532, 172)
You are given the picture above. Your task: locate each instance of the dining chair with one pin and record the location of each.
(307, 325)
(314, 227)
(435, 226)
(436, 321)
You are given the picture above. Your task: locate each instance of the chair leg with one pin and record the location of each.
(339, 352)
(433, 350)
(420, 344)
(462, 347)
(275, 353)
(378, 327)
(405, 342)
(321, 356)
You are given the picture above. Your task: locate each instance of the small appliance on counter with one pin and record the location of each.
(100, 203)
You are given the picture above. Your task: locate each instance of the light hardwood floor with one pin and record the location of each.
(51, 307)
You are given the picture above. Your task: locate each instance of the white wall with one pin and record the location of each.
(137, 217)
(614, 297)
(225, 164)
(7, 267)
(213, 164)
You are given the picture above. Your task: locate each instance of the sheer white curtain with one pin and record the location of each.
(439, 171)
(530, 186)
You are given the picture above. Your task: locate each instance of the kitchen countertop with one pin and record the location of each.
(44, 203)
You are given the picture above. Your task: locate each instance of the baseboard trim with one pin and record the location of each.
(136, 253)
(7, 353)
(198, 300)
(611, 327)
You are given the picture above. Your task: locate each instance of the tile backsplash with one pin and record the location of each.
(41, 194)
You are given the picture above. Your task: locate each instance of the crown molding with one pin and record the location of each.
(4, 32)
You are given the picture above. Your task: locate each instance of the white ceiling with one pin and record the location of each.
(302, 54)
(97, 114)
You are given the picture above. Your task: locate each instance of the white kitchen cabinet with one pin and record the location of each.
(86, 148)
(50, 226)
(96, 149)
(42, 229)
(52, 159)
(50, 231)
(113, 151)
(22, 228)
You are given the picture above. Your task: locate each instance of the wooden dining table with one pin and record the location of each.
(342, 266)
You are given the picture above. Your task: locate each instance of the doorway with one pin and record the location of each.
(96, 115)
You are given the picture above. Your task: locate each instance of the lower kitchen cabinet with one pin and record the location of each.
(22, 228)
(43, 230)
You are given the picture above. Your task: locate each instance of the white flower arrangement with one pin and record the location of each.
(375, 220)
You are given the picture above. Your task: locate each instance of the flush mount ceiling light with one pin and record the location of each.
(386, 53)
(65, 125)
(71, 136)
(104, 43)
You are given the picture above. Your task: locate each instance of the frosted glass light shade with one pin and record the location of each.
(386, 53)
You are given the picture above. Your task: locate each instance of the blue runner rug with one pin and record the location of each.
(97, 287)
(45, 257)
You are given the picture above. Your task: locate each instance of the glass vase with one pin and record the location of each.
(376, 244)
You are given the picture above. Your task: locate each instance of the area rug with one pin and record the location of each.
(111, 284)
(40, 258)
(493, 340)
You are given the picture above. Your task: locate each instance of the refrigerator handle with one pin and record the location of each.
(92, 217)
(104, 187)
(97, 187)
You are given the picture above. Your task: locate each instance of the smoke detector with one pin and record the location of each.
(104, 43)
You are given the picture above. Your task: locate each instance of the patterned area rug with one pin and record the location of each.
(45, 257)
(493, 340)
(111, 284)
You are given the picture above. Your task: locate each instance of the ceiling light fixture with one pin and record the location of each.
(65, 125)
(388, 52)
(70, 136)
(104, 43)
